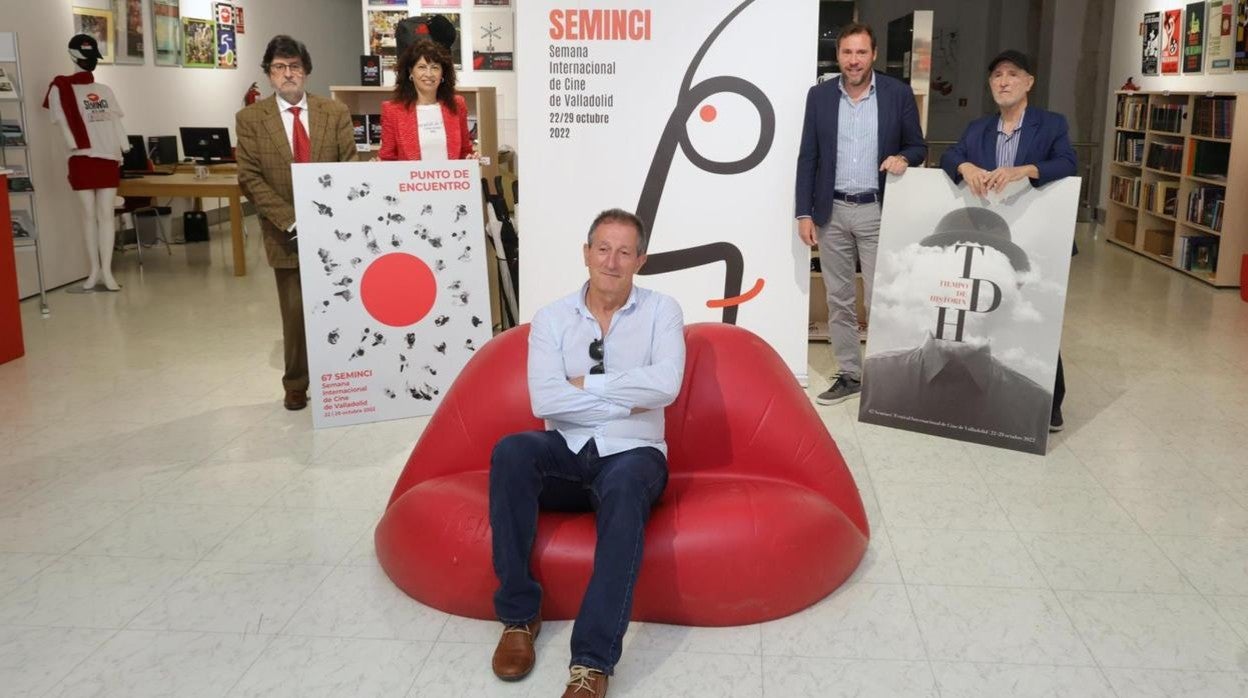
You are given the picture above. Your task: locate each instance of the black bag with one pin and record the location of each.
(195, 226)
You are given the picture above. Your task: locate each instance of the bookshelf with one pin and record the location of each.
(15, 157)
(1175, 156)
(482, 106)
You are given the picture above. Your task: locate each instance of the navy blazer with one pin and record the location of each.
(1044, 142)
(899, 134)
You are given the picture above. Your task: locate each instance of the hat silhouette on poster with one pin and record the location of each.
(981, 227)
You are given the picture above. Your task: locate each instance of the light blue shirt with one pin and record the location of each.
(644, 356)
(858, 142)
(1007, 146)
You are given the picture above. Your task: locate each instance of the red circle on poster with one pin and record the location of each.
(708, 113)
(398, 290)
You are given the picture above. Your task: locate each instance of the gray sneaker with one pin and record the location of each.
(843, 388)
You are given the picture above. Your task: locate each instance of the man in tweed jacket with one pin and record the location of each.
(290, 126)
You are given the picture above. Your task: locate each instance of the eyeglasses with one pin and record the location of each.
(279, 68)
(597, 352)
(432, 68)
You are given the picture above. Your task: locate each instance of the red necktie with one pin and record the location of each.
(302, 147)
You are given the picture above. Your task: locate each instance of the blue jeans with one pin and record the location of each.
(535, 469)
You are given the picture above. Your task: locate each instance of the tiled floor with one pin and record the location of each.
(167, 529)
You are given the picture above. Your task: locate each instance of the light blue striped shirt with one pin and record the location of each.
(858, 142)
(1007, 146)
(644, 356)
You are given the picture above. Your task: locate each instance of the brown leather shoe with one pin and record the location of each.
(514, 657)
(586, 683)
(296, 399)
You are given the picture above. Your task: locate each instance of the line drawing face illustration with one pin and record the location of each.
(676, 134)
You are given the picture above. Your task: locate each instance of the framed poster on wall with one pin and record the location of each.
(1150, 53)
(1241, 35)
(199, 43)
(1171, 41)
(1220, 37)
(493, 41)
(380, 37)
(167, 32)
(128, 15)
(97, 24)
(1194, 39)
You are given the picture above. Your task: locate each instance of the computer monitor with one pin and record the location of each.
(163, 150)
(136, 159)
(206, 144)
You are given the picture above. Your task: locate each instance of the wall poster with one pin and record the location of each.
(1194, 39)
(1171, 41)
(167, 32)
(1150, 52)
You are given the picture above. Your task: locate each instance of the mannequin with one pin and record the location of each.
(90, 120)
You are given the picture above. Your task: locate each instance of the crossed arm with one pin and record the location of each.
(593, 400)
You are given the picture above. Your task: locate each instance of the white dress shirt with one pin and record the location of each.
(288, 119)
(644, 356)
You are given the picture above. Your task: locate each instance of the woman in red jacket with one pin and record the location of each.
(426, 120)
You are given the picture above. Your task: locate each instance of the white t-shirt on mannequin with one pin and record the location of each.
(431, 131)
(101, 114)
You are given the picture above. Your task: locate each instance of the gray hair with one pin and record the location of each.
(619, 215)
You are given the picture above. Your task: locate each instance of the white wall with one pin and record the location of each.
(1125, 62)
(157, 100)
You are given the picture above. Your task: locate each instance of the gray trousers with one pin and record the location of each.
(851, 234)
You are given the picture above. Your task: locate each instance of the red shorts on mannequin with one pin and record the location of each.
(86, 172)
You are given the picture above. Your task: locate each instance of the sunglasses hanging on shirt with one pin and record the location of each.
(597, 352)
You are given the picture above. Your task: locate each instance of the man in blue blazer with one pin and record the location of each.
(858, 128)
(1020, 141)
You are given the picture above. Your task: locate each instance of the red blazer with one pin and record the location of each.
(399, 139)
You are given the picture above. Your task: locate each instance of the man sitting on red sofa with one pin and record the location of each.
(603, 363)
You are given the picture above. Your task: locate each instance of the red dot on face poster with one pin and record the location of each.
(398, 290)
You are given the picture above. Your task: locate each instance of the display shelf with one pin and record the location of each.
(15, 110)
(1211, 135)
(1211, 139)
(1201, 228)
(1217, 181)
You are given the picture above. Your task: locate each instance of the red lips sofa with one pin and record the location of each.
(760, 518)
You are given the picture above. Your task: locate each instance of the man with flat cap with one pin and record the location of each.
(952, 385)
(1020, 141)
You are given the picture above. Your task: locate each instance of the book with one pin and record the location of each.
(11, 133)
(19, 180)
(7, 89)
(370, 71)
(23, 224)
(374, 130)
(1201, 253)
(359, 128)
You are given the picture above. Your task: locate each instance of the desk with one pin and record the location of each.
(224, 186)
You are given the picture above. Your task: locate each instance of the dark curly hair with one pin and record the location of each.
(283, 46)
(432, 52)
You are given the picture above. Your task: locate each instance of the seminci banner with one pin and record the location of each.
(395, 296)
(967, 312)
(673, 110)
